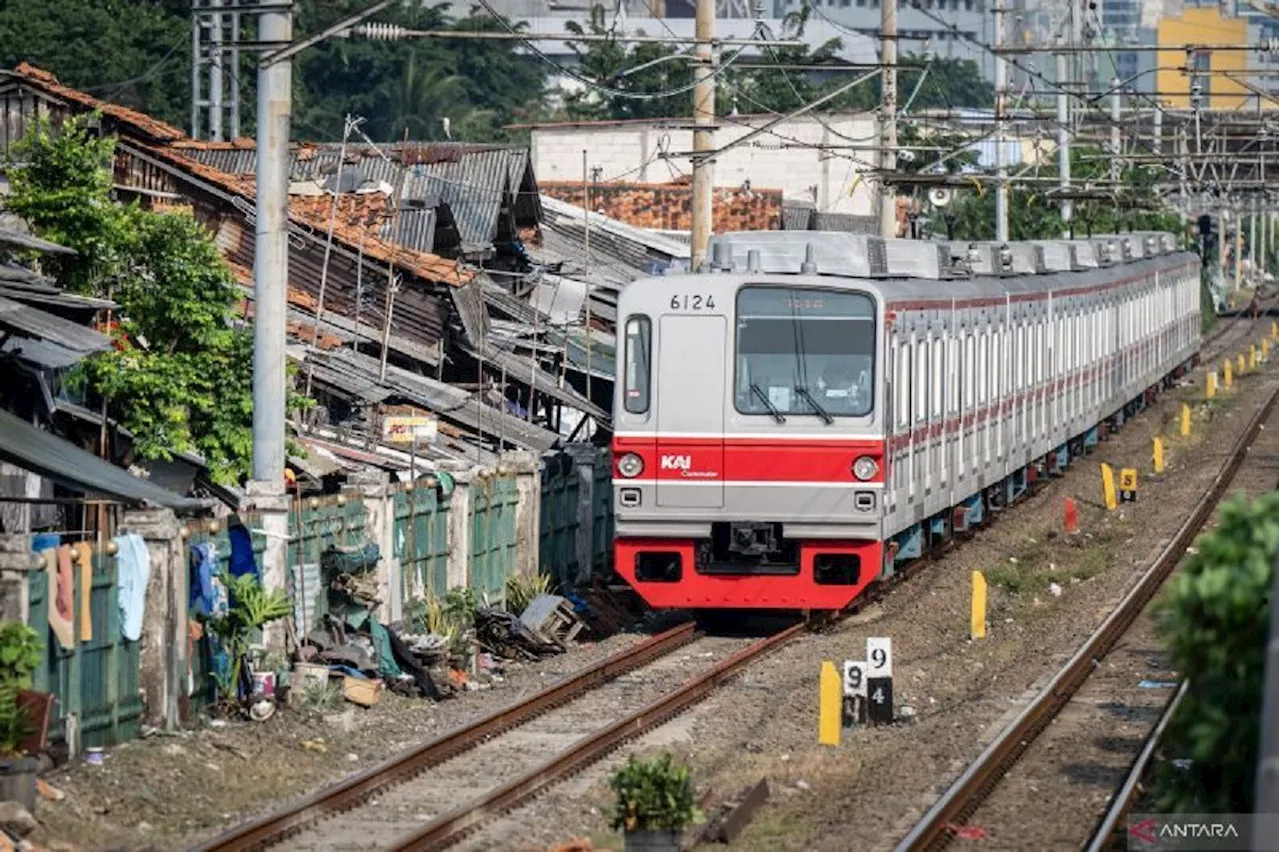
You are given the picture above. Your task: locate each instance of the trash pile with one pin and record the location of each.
(368, 655)
(444, 646)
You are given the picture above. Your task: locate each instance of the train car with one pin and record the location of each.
(820, 408)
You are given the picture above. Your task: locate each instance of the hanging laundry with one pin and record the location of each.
(84, 556)
(58, 608)
(133, 571)
(242, 559)
(204, 563)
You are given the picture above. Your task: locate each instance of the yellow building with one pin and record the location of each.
(1202, 26)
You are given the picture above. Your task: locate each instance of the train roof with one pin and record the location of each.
(922, 270)
(862, 256)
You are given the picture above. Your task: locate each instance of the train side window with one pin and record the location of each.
(982, 368)
(1019, 356)
(903, 390)
(968, 372)
(953, 374)
(922, 381)
(639, 337)
(939, 379)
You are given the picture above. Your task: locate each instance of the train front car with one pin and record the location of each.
(749, 449)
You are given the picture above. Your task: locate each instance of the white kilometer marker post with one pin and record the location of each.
(880, 681)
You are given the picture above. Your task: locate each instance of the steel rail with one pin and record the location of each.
(351, 791)
(964, 796)
(453, 826)
(1123, 800)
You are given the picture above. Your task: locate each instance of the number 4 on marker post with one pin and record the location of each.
(880, 681)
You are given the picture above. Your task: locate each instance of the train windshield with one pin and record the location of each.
(804, 352)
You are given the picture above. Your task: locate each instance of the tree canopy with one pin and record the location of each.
(179, 377)
(1034, 215)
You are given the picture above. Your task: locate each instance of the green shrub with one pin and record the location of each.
(521, 589)
(20, 654)
(653, 794)
(1214, 619)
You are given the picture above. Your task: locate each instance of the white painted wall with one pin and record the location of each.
(630, 151)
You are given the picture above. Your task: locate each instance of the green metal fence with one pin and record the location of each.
(323, 522)
(493, 535)
(96, 680)
(602, 513)
(421, 542)
(558, 524)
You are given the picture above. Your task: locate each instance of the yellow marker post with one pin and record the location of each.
(1184, 427)
(1226, 373)
(1108, 487)
(1266, 348)
(829, 704)
(1275, 331)
(1240, 364)
(1253, 358)
(978, 612)
(1210, 385)
(1157, 455)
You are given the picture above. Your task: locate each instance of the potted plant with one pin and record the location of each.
(654, 803)
(251, 607)
(20, 654)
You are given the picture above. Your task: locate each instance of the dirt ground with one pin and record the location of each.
(169, 790)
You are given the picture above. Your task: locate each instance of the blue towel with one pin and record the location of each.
(204, 563)
(242, 558)
(133, 570)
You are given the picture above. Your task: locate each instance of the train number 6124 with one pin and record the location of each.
(692, 303)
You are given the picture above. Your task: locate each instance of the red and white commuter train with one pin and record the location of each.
(822, 407)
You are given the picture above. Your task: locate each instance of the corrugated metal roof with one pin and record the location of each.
(468, 301)
(44, 453)
(41, 353)
(42, 294)
(13, 239)
(36, 323)
(349, 372)
(14, 272)
(522, 370)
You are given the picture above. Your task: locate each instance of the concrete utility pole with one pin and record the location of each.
(1002, 169)
(889, 115)
(1064, 143)
(1253, 236)
(271, 252)
(270, 286)
(704, 120)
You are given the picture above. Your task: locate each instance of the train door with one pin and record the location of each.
(690, 457)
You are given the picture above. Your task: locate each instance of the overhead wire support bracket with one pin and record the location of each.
(302, 44)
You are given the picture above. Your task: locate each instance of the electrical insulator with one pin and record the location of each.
(381, 32)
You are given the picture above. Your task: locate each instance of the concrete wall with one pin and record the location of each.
(779, 159)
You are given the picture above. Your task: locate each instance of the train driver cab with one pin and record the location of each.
(804, 352)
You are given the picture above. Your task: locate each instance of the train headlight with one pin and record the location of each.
(864, 468)
(631, 465)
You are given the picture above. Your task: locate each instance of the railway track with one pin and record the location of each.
(398, 805)
(1112, 822)
(963, 798)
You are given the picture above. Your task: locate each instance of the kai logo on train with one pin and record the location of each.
(675, 463)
